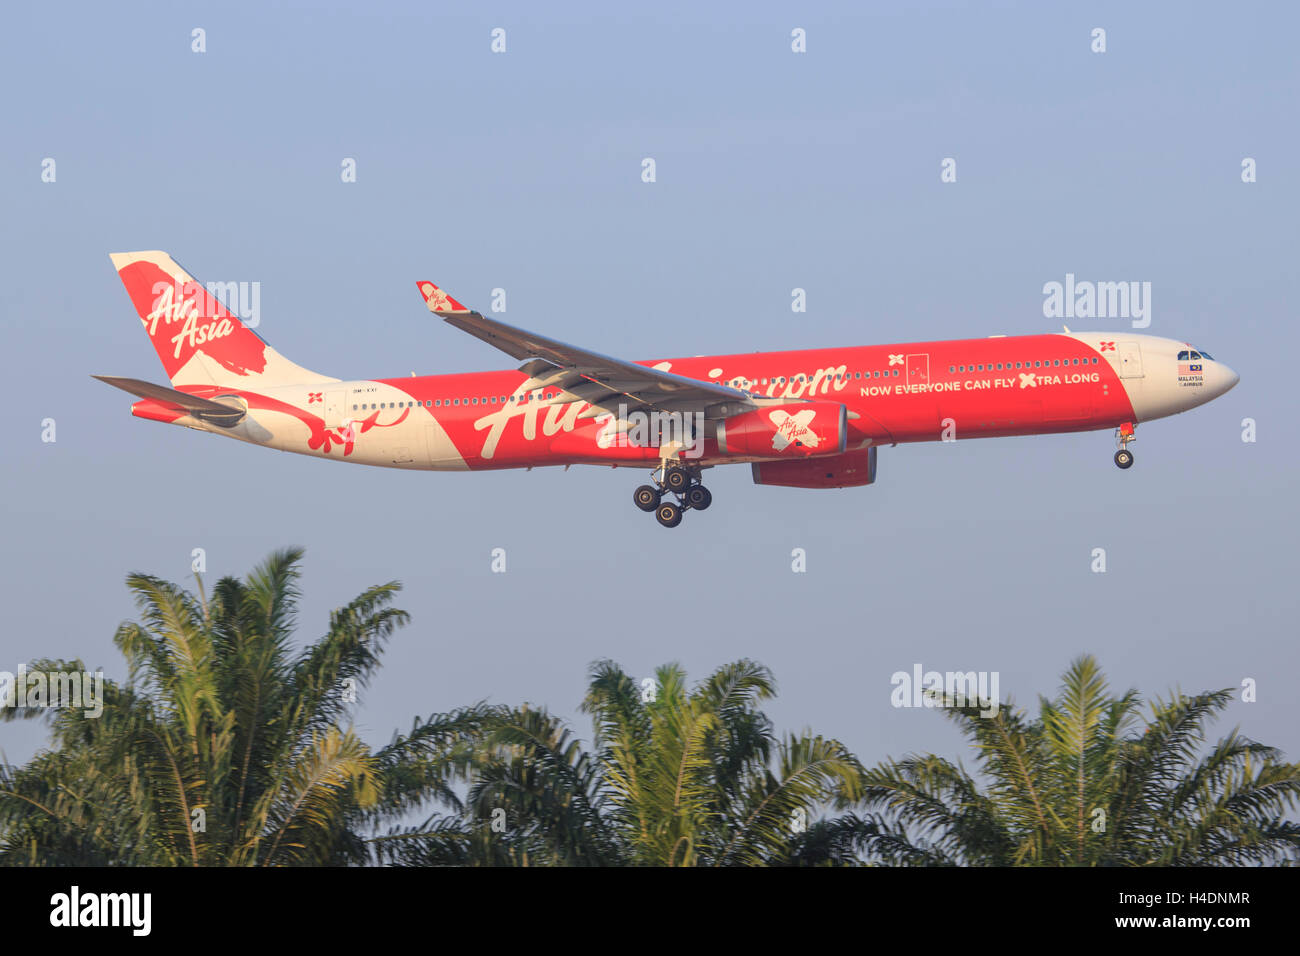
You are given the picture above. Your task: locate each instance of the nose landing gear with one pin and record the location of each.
(676, 479)
(1123, 435)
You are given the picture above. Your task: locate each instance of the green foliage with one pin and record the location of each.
(227, 747)
(1087, 783)
(678, 778)
(224, 747)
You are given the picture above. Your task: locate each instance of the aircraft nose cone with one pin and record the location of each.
(1226, 377)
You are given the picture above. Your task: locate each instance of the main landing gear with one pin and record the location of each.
(1123, 435)
(680, 481)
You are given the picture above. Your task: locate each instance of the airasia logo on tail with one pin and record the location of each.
(180, 302)
(793, 429)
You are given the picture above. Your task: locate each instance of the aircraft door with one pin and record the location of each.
(1130, 360)
(923, 410)
(334, 408)
(918, 369)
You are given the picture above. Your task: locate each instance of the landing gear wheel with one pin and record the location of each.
(677, 479)
(1124, 458)
(698, 497)
(669, 515)
(646, 498)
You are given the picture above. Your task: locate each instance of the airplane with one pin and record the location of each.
(813, 418)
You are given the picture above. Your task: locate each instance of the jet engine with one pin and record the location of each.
(797, 430)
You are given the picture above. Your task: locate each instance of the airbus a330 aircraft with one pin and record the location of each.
(804, 419)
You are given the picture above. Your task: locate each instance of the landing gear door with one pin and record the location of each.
(1130, 360)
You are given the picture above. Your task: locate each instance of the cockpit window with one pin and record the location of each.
(1183, 355)
(1206, 355)
(1194, 354)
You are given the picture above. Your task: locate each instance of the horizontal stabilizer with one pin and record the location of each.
(202, 408)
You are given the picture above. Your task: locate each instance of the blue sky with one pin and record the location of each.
(775, 170)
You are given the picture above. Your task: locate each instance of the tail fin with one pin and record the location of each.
(199, 341)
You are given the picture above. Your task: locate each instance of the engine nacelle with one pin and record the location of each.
(798, 430)
(842, 471)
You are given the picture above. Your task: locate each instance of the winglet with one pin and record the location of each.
(439, 302)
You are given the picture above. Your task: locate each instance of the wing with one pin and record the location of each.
(586, 376)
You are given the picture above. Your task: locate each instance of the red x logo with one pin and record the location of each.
(1106, 347)
(313, 397)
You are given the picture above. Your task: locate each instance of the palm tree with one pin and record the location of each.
(679, 777)
(224, 747)
(1088, 782)
(227, 747)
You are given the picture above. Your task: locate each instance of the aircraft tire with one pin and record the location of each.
(669, 515)
(646, 498)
